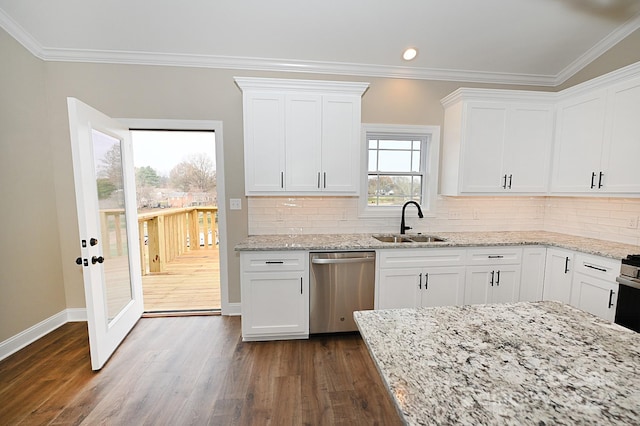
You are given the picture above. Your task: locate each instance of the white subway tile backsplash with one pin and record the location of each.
(603, 218)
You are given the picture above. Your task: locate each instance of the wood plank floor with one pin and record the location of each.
(193, 371)
(190, 282)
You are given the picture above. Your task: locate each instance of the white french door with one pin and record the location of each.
(107, 220)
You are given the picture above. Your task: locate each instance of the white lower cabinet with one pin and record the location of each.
(275, 295)
(594, 288)
(492, 284)
(415, 287)
(493, 275)
(558, 275)
(409, 278)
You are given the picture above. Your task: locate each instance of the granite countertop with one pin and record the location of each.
(453, 239)
(522, 363)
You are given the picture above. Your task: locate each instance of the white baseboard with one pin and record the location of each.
(232, 309)
(15, 343)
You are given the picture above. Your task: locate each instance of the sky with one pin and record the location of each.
(162, 150)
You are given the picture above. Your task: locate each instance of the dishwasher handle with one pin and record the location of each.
(344, 260)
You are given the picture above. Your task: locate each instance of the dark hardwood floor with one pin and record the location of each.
(193, 371)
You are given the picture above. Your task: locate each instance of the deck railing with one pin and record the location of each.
(163, 234)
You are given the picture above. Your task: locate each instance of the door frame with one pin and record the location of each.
(216, 127)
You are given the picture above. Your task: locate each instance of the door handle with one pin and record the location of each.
(593, 178)
(93, 241)
(97, 259)
(426, 281)
(611, 293)
(504, 181)
(82, 262)
(510, 180)
(498, 278)
(566, 264)
(420, 281)
(493, 273)
(600, 180)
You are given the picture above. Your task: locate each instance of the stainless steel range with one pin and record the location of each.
(628, 309)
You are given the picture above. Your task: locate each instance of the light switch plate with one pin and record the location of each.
(235, 204)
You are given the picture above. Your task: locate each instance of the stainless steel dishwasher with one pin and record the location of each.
(341, 283)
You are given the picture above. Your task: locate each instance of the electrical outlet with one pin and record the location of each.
(632, 222)
(455, 215)
(235, 204)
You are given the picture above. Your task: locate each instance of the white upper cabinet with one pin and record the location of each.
(598, 138)
(302, 137)
(496, 142)
(621, 149)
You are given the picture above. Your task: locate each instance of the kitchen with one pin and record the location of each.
(133, 90)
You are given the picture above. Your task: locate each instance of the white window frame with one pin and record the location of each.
(430, 177)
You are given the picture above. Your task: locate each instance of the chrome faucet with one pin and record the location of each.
(403, 227)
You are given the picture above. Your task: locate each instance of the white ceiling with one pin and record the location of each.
(539, 42)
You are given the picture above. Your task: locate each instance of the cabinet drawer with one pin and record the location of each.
(494, 256)
(418, 258)
(275, 261)
(597, 267)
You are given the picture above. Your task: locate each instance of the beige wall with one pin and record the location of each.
(624, 53)
(31, 285)
(39, 277)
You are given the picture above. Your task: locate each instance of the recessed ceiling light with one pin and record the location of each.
(410, 53)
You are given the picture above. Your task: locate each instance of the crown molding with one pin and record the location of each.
(319, 86)
(502, 95)
(317, 67)
(598, 49)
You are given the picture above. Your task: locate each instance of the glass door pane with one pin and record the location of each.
(107, 153)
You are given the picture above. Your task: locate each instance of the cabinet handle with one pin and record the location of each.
(492, 276)
(498, 278)
(611, 293)
(595, 267)
(600, 180)
(300, 285)
(420, 281)
(325, 180)
(274, 262)
(493, 256)
(426, 281)
(504, 181)
(593, 177)
(318, 180)
(282, 180)
(510, 180)
(566, 264)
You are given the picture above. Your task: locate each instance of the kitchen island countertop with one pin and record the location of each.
(521, 363)
(453, 239)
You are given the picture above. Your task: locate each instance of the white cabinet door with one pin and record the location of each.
(532, 275)
(558, 275)
(274, 304)
(595, 295)
(484, 136)
(578, 145)
(398, 288)
(442, 286)
(303, 142)
(477, 285)
(622, 140)
(340, 144)
(505, 284)
(264, 128)
(527, 148)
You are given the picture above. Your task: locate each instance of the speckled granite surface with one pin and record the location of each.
(523, 363)
(453, 239)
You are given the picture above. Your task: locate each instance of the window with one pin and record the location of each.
(401, 164)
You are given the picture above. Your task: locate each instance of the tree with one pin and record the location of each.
(111, 166)
(147, 176)
(105, 188)
(197, 172)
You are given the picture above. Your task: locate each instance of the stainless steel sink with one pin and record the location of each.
(408, 238)
(426, 239)
(392, 239)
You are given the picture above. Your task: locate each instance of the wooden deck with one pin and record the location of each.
(190, 282)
